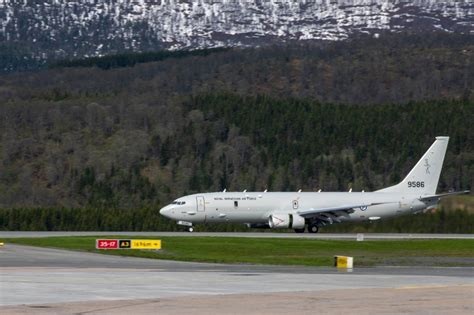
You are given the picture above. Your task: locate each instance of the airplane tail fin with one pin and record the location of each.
(423, 178)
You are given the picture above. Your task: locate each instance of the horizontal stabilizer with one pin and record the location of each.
(445, 195)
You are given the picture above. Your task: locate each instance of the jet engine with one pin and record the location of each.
(286, 221)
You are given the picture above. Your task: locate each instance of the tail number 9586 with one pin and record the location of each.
(414, 184)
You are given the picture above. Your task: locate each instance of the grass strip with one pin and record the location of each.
(279, 251)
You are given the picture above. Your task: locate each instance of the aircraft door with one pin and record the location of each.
(200, 203)
(295, 204)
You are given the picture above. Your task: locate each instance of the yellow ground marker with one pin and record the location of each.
(343, 262)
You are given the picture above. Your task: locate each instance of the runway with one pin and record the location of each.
(40, 280)
(329, 236)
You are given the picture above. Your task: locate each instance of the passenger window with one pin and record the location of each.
(236, 204)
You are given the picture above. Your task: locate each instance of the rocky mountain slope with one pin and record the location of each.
(33, 31)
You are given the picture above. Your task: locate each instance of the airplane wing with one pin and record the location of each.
(341, 209)
(444, 195)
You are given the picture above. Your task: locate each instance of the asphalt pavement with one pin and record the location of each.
(43, 280)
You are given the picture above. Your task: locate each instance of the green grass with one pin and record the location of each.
(282, 251)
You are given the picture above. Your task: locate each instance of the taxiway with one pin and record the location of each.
(41, 280)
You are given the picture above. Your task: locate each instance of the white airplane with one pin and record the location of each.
(298, 210)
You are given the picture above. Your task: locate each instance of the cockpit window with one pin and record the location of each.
(178, 202)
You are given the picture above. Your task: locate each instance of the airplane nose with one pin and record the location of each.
(167, 212)
(164, 211)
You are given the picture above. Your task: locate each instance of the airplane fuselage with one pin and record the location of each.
(256, 207)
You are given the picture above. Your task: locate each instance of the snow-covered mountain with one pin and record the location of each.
(65, 28)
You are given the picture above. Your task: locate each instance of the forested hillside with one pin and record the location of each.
(396, 68)
(148, 219)
(346, 115)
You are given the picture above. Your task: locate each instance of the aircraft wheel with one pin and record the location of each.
(313, 228)
(190, 229)
(299, 230)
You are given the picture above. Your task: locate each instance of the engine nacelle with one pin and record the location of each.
(286, 221)
(298, 221)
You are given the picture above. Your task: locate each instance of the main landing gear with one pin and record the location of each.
(312, 228)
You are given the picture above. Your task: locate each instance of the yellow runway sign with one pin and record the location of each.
(146, 244)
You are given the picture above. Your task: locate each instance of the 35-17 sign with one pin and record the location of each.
(106, 244)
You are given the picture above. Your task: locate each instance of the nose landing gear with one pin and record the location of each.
(188, 225)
